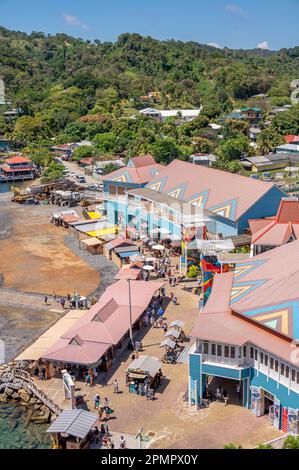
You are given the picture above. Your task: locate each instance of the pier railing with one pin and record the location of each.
(22, 374)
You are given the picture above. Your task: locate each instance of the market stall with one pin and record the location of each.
(142, 375)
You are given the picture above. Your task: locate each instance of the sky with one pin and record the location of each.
(240, 24)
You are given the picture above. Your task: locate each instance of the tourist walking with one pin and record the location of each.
(97, 401)
(238, 391)
(116, 388)
(44, 374)
(36, 373)
(219, 393)
(225, 397)
(46, 300)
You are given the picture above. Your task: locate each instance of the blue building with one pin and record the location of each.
(229, 199)
(245, 338)
(138, 172)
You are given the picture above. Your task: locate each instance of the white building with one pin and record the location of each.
(184, 114)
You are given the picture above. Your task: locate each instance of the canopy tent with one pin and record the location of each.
(76, 423)
(148, 268)
(127, 254)
(172, 333)
(177, 323)
(169, 343)
(158, 247)
(136, 257)
(145, 365)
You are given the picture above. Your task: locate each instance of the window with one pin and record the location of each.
(206, 348)
(271, 363)
(233, 352)
(112, 190)
(276, 366)
(282, 369)
(213, 350)
(251, 353)
(266, 360)
(255, 354)
(262, 358)
(121, 191)
(219, 350)
(293, 375)
(287, 372)
(297, 378)
(244, 351)
(226, 351)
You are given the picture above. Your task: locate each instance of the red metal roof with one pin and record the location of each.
(17, 159)
(291, 139)
(277, 230)
(11, 170)
(143, 160)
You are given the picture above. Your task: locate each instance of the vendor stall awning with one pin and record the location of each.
(174, 333)
(146, 365)
(127, 254)
(76, 423)
(169, 343)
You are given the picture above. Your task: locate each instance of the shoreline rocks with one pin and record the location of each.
(13, 389)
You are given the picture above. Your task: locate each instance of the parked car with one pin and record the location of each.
(81, 179)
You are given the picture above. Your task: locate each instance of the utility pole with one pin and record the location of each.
(130, 312)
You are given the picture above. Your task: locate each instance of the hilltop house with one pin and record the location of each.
(17, 168)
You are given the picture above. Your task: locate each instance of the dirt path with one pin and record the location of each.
(34, 256)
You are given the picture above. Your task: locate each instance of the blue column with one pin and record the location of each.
(195, 372)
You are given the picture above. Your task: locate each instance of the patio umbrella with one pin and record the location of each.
(158, 247)
(148, 268)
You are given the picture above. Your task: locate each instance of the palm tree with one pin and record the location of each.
(291, 442)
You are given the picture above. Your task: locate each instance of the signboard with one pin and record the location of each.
(255, 399)
(284, 423)
(276, 422)
(292, 421)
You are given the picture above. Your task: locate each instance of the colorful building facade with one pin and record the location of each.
(245, 338)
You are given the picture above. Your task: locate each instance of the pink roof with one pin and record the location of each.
(128, 273)
(140, 175)
(105, 323)
(277, 230)
(219, 186)
(217, 323)
(64, 350)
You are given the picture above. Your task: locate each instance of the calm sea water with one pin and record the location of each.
(16, 433)
(5, 187)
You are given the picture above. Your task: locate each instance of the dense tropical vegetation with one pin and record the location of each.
(68, 90)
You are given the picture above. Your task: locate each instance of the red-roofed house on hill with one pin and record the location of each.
(276, 231)
(246, 338)
(291, 139)
(16, 168)
(138, 172)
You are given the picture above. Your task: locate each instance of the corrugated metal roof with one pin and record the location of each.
(76, 423)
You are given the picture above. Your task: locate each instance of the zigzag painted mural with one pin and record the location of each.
(122, 177)
(158, 185)
(240, 289)
(200, 199)
(177, 192)
(226, 209)
(283, 317)
(242, 269)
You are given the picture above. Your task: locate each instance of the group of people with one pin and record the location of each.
(104, 410)
(73, 302)
(105, 437)
(40, 373)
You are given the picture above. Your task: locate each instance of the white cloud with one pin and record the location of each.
(214, 44)
(73, 21)
(263, 45)
(235, 9)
